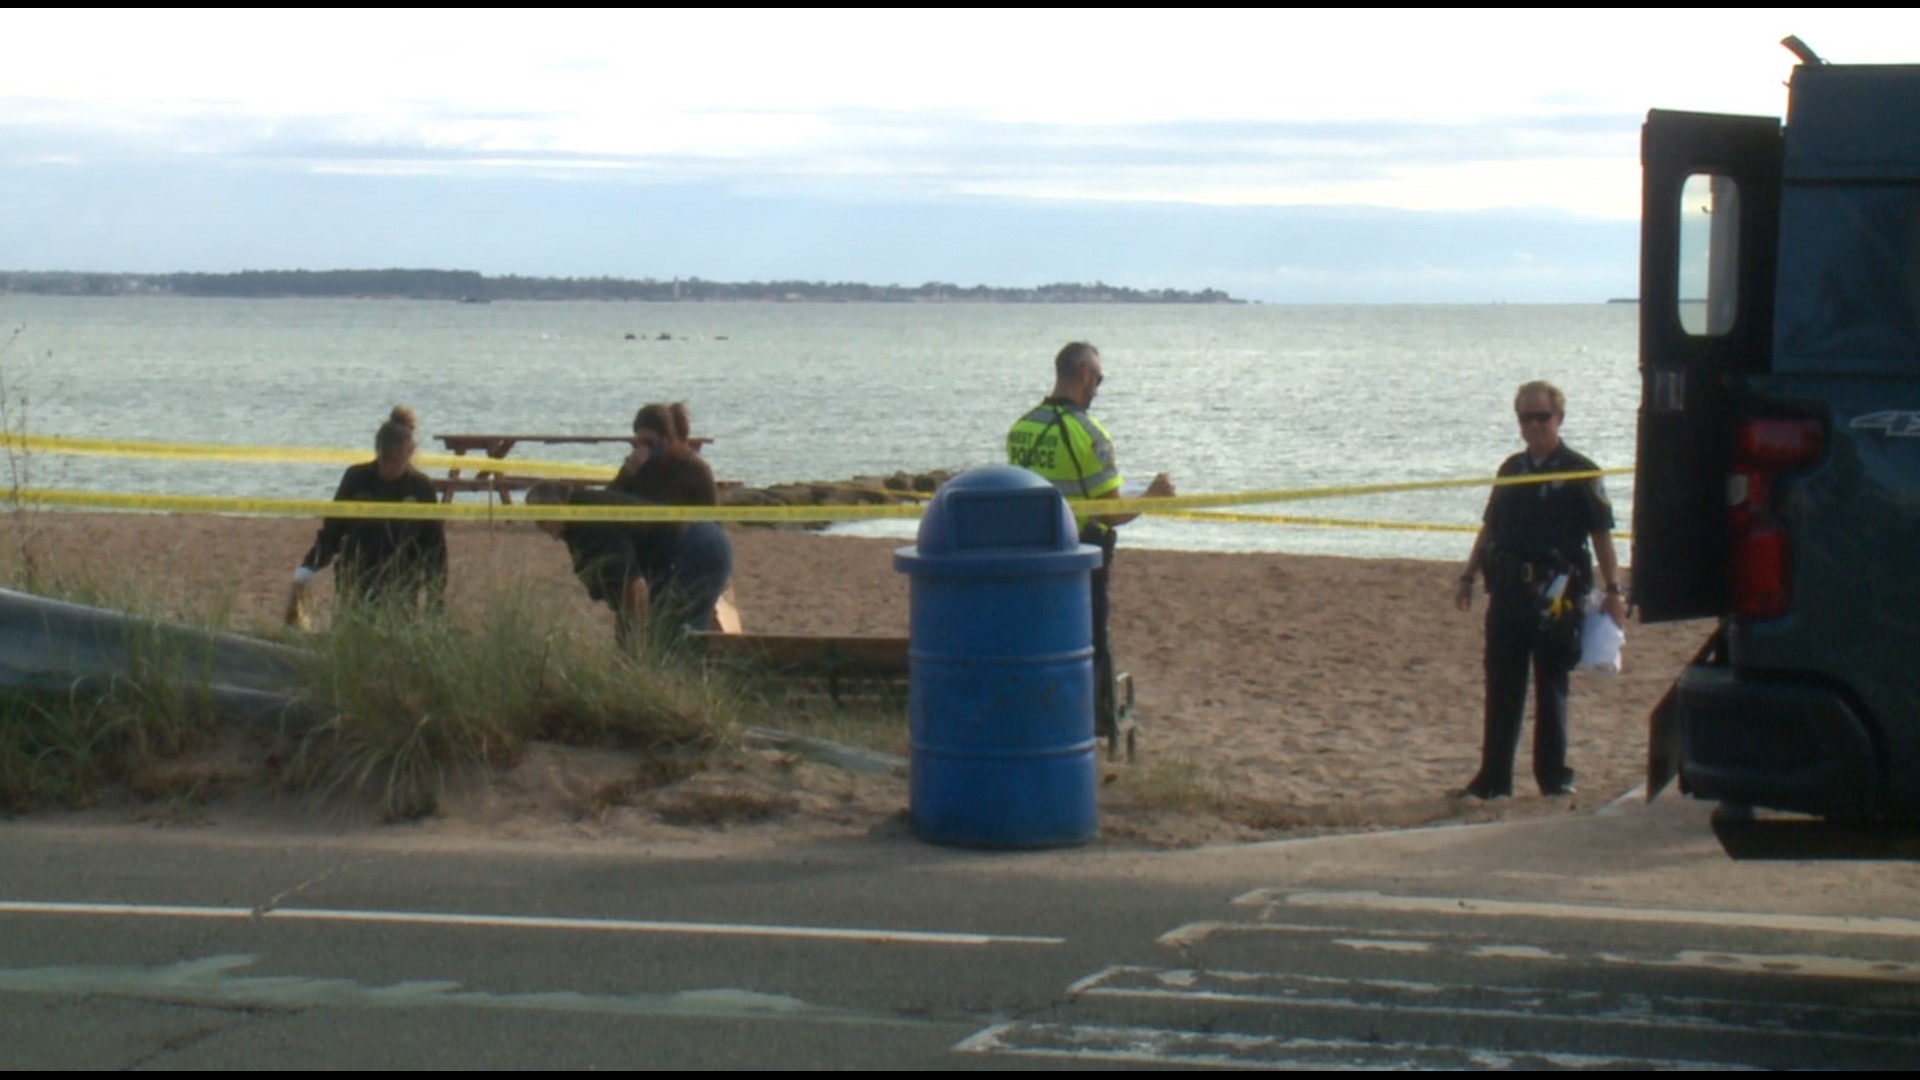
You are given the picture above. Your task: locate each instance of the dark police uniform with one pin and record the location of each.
(383, 560)
(1073, 452)
(1535, 533)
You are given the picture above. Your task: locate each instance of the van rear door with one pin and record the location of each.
(1708, 237)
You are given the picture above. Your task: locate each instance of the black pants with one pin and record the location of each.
(1516, 646)
(1106, 713)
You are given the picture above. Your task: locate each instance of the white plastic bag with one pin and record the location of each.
(1600, 639)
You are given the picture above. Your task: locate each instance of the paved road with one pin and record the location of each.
(1622, 939)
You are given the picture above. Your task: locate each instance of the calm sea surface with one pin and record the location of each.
(1225, 398)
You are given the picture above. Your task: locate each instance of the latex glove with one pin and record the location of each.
(298, 601)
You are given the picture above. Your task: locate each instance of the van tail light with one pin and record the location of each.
(1761, 568)
(1778, 443)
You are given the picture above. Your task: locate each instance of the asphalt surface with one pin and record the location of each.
(1622, 938)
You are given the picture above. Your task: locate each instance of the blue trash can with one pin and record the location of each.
(1000, 675)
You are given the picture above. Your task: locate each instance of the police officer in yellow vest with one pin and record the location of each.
(1071, 450)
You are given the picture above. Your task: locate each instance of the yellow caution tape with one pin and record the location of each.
(475, 466)
(1173, 506)
(227, 505)
(216, 504)
(269, 455)
(1160, 505)
(1315, 522)
(1335, 523)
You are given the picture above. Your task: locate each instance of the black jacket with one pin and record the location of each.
(383, 559)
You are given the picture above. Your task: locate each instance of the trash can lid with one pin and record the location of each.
(997, 507)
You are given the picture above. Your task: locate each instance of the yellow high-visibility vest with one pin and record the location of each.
(1069, 449)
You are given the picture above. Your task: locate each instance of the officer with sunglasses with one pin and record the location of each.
(1061, 442)
(1533, 550)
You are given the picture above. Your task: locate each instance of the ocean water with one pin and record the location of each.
(1224, 398)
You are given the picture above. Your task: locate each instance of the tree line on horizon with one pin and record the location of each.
(473, 287)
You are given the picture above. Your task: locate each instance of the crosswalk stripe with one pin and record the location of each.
(1878, 925)
(1645, 1011)
(1155, 1046)
(1814, 965)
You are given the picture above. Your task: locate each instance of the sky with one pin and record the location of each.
(1287, 156)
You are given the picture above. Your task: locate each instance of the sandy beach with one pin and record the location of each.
(1276, 693)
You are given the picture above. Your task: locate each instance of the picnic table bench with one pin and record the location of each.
(846, 664)
(496, 480)
(842, 664)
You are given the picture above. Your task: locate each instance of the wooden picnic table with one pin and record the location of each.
(843, 665)
(497, 447)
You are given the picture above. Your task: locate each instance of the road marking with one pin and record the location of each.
(1800, 964)
(224, 981)
(1874, 925)
(1187, 935)
(1582, 1005)
(1623, 801)
(1831, 967)
(1515, 952)
(1384, 945)
(1155, 1046)
(524, 922)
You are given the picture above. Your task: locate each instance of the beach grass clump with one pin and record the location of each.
(1175, 782)
(388, 708)
(410, 700)
(58, 748)
(873, 722)
(48, 752)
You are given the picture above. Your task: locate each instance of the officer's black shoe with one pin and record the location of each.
(1479, 789)
(1564, 787)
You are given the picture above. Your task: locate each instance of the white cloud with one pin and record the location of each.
(1449, 110)
(1067, 67)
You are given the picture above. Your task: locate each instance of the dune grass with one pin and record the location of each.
(59, 744)
(409, 699)
(1175, 782)
(868, 722)
(392, 705)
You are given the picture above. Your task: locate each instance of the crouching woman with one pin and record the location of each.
(661, 577)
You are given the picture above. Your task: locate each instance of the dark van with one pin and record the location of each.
(1778, 481)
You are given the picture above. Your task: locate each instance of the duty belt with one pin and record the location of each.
(1505, 569)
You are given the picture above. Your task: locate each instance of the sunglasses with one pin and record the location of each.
(1534, 417)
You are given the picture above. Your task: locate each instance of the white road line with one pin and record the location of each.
(1586, 1006)
(226, 982)
(1384, 945)
(524, 922)
(1866, 925)
(1623, 801)
(1095, 979)
(1828, 967)
(1156, 1046)
(1799, 964)
(1193, 933)
(1515, 952)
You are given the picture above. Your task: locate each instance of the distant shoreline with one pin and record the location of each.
(466, 286)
